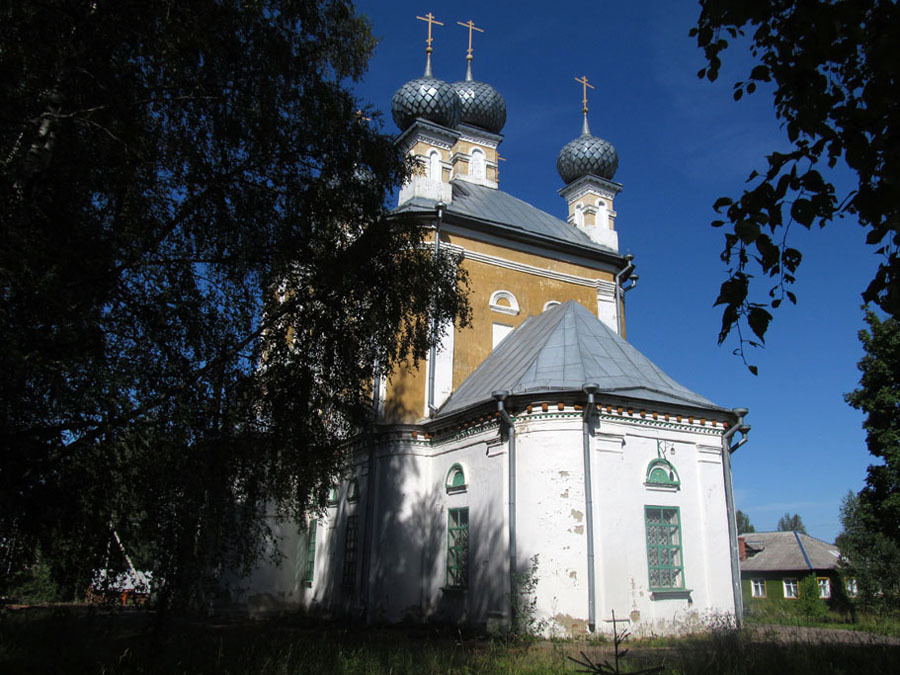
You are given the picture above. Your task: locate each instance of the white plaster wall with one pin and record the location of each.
(551, 516)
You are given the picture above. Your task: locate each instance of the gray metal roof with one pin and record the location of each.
(784, 551)
(562, 349)
(505, 212)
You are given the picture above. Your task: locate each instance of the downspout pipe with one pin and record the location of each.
(500, 396)
(623, 273)
(727, 450)
(432, 355)
(590, 389)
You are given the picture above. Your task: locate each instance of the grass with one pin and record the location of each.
(77, 641)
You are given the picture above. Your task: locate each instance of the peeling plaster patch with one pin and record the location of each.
(564, 474)
(577, 515)
(571, 625)
(579, 529)
(565, 495)
(635, 616)
(573, 575)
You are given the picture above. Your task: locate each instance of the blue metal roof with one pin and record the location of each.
(505, 212)
(562, 349)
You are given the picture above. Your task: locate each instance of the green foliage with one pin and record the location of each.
(524, 624)
(190, 189)
(744, 526)
(34, 584)
(809, 604)
(869, 555)
(832, 68)
(791, 523)
(870, 541)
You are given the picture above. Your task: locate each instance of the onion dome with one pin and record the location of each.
(428, 98)
(481, 105)
(585, 155)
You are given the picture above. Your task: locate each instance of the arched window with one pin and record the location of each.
(661, 472)
(434, 165)
(333, 497)
(353, 490)
(504, 302)
(456, 479)
(549, 304)
(477, 165)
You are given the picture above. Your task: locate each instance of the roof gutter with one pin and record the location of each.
(620, 277)
(590, 389)
(727, 449)
(432, 355)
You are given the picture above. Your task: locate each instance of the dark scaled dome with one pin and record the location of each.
(585, 155)
(481, 105)
(428, 98)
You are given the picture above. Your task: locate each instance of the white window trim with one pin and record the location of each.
(757, 585)
(512, 309)
(824, 588)
(793, 585)
(550, 303)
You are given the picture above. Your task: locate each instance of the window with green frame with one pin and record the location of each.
(353, 490)
(456, 479)
(661, 472)
(311, 551)
(458, 548)
(664, 554)
(350, 541)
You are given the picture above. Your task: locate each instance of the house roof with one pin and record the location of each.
(562, 349)
(505, 213)
(787, 551)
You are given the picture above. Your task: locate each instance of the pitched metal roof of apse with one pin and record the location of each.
(562, 349)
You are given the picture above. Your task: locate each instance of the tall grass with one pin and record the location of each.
(125, 643)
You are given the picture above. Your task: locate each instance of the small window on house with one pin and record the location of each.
(824, 587)
(661, 472)
(758, 588)
(456, 479)
(310, 551)
(350, 541)
(504, 302)
(852, 588)
(353, 490)
(664, 554)
(332, 497)
(477, 164)
(791, 588)
(458, 548)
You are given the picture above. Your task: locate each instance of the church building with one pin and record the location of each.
(536, 444)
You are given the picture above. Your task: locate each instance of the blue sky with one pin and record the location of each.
(682, 143)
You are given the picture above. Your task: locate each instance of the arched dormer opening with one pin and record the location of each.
(661, 472)
(434, 165)
(456, 479)
(504, 302)
(477, 164)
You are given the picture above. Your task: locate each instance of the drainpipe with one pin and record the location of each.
(432, 356)
(727, 449)
(501, 396)
(590, 389)
(624, 271)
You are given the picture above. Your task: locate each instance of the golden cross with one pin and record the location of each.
(471, 26)
(584, 82)
(429, 19)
